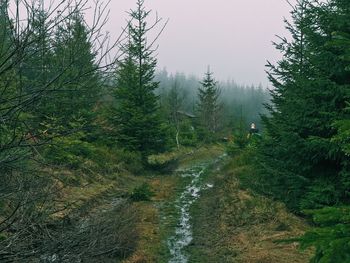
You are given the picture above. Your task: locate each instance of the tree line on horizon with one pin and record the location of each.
(237, 101)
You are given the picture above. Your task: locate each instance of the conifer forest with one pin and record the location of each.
(107, 157)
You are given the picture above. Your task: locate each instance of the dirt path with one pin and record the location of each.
(202, 214)
(183, 236)
(165, 228)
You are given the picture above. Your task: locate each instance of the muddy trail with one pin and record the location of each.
(202, 212)
(197, 184)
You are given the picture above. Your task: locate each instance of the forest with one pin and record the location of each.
(104, 157)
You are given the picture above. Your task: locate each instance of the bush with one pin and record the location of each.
(233, 150)
(163, 160)
(131, 161)
(254, 140)
(69, 151)
(321, 193)
(240, 140)
(142, 193)
(188, 136)
(105, 160)
(76, 153)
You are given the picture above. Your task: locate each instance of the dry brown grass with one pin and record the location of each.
(232, 224)
(165, 187)
(73, 196)
(266, 223)
(149, 228)
(149, 234)
(206, 153)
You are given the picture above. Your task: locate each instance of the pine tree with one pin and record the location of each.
(5, 33)
(305, 154)
(136, 114)
(7, 59)
(13, 150)
(303, 165)
(71, 100)
(209, 107)
(36, 68)
(330, 236)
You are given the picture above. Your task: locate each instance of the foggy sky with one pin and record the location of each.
(232, 36)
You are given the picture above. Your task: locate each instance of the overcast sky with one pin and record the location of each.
(232, 36)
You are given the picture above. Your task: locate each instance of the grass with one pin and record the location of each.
(97, 191)
(85, 192)
(231, 222)
(151, 227)
(234, 224)
(159, 216)
(90, 190)
(200, 155)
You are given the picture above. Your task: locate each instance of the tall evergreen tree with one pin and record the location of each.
(303, 164)
(13, 102)
(137, 116)
(331, 234)
(70, 101)
(36, 67)
(209, 107)
(5, 32)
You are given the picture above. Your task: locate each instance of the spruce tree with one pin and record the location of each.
(305, 153)
(5, 33)
(10, 126)
(136, 115)
(70, 101)
(36, 68)
(331, 234)
(209, 107)
(302, 163)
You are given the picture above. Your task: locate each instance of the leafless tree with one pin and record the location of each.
(176, 98)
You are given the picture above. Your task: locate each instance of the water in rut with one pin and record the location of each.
(183, 232)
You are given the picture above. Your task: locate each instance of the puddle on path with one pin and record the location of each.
(183, 232)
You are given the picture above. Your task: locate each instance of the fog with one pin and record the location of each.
(232, 36)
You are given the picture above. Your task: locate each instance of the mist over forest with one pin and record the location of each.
(239, 101)
(106, 158)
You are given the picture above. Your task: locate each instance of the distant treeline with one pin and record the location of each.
(239, 101)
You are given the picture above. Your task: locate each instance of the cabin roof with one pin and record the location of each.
(187, 114)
